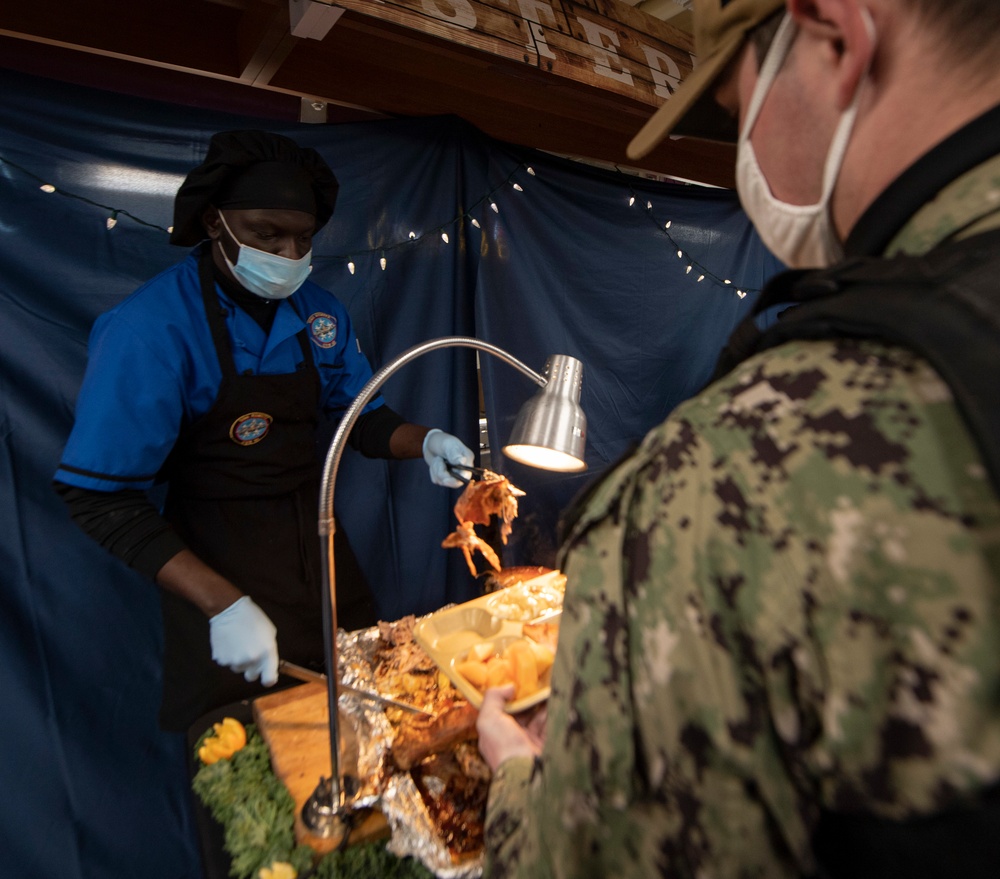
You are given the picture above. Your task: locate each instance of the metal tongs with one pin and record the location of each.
(454, 469)
(479, 472)
(307, 674)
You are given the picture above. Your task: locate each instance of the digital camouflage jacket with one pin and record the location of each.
(786, 601)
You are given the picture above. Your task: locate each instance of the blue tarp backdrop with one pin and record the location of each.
(562, 264)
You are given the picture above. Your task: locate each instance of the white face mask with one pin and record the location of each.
(267, 274)
(801, 236)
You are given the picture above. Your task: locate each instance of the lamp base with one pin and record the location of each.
(325, 822)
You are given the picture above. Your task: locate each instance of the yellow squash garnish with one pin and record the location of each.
(278, 870)
(225, 740)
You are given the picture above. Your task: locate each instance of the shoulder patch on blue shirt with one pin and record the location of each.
(323, 328)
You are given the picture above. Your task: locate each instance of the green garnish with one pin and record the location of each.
(258, 816)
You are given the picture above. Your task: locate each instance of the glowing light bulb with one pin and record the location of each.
(351, 267)
(742, 294)
(444, 237)
(112, 222)
(727, 281)
(531, 170)
(493, 206)
(680, 254)
(518, 187)
(631, 201)
(649, 205)
(668, 224)
(701, 277)
(413, 235)
(47, 187)
(475, 223)
(687, 271)
(382, 263)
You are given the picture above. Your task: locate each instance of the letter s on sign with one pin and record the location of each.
(457, 12)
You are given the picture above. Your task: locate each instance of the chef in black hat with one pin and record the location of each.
(239, 354)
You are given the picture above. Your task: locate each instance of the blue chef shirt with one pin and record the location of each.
(153, 368)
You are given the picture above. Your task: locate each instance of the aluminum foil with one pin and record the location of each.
(394, 793)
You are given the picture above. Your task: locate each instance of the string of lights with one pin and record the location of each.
(690, 263)
(692, 266)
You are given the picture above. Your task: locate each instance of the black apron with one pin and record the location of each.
(244, 496)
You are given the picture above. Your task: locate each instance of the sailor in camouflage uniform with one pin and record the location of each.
(780, 647)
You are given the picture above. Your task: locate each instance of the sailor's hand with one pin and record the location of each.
(243, 640)
(442, 448)
(502, 736)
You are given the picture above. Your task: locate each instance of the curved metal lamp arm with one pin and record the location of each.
(366, 394)
(326, 530)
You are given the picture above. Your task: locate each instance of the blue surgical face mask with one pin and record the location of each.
(267, 274)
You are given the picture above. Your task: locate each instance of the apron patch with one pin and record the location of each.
(323, 328)
(250, 428)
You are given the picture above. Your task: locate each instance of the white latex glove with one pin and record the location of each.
(243, 641)
(440, 448)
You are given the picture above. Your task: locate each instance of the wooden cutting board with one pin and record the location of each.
(295, 725)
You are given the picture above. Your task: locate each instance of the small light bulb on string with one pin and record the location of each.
(727, 281)
(649, 205)
(530, 170)
(668, 224)
(687, 271)
(475, 223)
(444, 237)
(631, 200)
(350, 266)
(701, 278)
(382, 262)
(680, 254)
(413, 235)
(47, 187)
(742, 294)
(112, 220)
(494, 208)
(518, 187)
(170, 230)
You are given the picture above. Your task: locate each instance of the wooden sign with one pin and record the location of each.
(601, 43)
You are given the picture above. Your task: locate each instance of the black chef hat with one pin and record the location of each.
(253, 169)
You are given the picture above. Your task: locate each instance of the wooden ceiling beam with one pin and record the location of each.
(394, 69)
(153, 33)
(264, 41)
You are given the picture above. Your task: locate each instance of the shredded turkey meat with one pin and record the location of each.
(490, 496)
(402, 668)
(484, 498)
(466, 539)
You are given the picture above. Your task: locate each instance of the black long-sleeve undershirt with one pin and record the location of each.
(128, 525)
(125, 523)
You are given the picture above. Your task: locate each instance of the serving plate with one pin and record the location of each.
(496, 619)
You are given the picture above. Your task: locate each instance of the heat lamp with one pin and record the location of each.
(549, 433)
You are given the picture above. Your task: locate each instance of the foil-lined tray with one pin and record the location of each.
(395, 794)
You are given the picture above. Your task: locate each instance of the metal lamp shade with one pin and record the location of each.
(550, 431)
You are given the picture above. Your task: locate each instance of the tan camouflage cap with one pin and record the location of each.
(720, 28)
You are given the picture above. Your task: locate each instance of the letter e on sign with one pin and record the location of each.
(607, 62)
